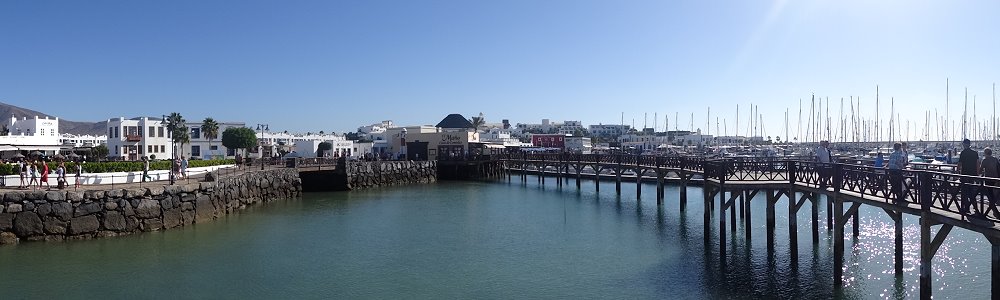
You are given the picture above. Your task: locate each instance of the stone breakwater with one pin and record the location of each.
(363, 175)
(68, 215)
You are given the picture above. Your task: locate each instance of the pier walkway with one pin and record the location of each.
(941, 200)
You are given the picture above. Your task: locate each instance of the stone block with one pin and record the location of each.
(115, 193)
(94, 195)
(82, 225)
(172, 218)
(155, 191)
(29, 206)
(148, 208)
(190, 188)
(152, 224)
(115, 221)
(172, 189)
(14, 196)
(54, 226)
(34, 195)
(44, 209)
(135, 193)
(6, 222)
(8, 238)
(27, 224)
(55, 196)
(87, 209)
(188, 217)
(74, 196)
(62, 210)
(111, 205)
(15, 208)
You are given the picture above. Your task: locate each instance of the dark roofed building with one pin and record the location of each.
(454, 121)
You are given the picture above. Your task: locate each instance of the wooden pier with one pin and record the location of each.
(940, 200)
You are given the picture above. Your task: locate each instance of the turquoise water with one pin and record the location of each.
(486, 241)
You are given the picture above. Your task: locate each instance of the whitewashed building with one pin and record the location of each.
(203, 148)
(131, 139)
(608, 130)
(84, 140)
(578, 144)
(642, 141)
(34, 134)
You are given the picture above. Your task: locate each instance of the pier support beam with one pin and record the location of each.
(597, 177)
(772, 198)
(928, 248)
(618, 180)
(815, 219)
(995, 272)
(840, 220)
(793, 224)
(723, 204)
(897, 218)
(683, 190)
(747, 220)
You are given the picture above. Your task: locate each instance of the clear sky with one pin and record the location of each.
(335, 65)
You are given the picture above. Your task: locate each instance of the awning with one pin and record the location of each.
(7, 148)
(39, 148)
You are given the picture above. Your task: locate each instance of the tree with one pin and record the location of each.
(478, 121)
(182, 136)
(4, 130)
(239, 138)
(210, 129)
(175, 125)
(323, 147)
(321, 132)
(100, 151)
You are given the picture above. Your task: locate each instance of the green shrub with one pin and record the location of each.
(118, 166)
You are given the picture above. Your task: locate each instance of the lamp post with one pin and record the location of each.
(173, 152)
(262, 128)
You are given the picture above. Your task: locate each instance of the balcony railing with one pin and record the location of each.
(133, 138)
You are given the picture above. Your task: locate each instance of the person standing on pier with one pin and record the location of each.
(824, 157)
(897, 162)
(990, 168)
(968, 164)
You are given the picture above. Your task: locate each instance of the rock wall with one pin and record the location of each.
(363, 175)
(62, 215)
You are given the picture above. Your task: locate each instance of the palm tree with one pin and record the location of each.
(210, 128)
(175, 125)
(478, 121)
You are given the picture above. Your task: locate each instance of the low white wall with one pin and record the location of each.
(115, 177)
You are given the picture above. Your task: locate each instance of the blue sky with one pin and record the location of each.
(335, 65)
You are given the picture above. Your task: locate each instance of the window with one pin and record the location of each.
(149, 148)
(152, 131)
(195, 151)
(111, 132)
(140, 149)
(116, 132)
(213, 148)
(116, 150)
(230, 152)
(159, 131)
(196, 133)
(139, 130)
(163, 149)
(52, 132)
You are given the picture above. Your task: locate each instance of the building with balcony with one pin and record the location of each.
(131, 139)
(608, 130)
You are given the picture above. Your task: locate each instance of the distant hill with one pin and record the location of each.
(65, 126)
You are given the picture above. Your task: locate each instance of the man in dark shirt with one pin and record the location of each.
(968, 164)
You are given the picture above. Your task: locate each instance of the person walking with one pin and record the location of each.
(45, 176)
(824, 158)
(989, 167)
(79, 172)
(968, 165)
(33, 172)
(61, 176)
(184, 166)
(897, 162)
(22, 168)
(145, 169)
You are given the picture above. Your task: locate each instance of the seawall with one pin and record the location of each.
(349, 176)
(62, 215)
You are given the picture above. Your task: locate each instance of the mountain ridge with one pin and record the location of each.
(65, 126)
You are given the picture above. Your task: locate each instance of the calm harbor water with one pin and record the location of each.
(487, 241)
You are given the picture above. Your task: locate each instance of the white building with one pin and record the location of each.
(85, 140)
(603, 130)
(310, 148)
(578, 144)
(270, 143)
(499, 136)
(203, 148)
(696, 139)
(34, 134)
(131, 139)
(571, 127)
(642, 141)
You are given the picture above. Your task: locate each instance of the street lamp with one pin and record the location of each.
(173, 152)
(262, 128)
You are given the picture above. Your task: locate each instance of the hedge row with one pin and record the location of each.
(118, 166)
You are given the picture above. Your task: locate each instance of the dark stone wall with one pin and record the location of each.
(69, 215)
(363, 175)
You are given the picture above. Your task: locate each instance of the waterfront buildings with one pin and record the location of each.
(608, 130)
(579, 145)
(31, 134)
(82, 141)
(131, 139)
(201, 147)
(549, 140)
